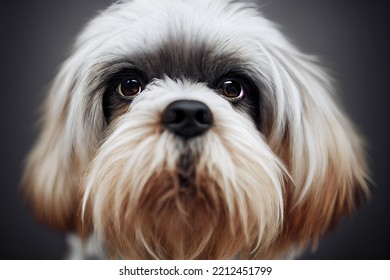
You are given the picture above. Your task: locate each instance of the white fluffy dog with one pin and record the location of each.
(192, 130)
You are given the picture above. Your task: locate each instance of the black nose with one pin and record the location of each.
(187, 118)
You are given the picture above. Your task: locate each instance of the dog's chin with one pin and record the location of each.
(155, 195)
(174, 223)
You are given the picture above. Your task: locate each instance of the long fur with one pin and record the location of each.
(256, 194)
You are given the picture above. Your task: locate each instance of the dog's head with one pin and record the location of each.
(182, 130)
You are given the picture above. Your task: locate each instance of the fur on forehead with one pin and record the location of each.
(175, 40)
(144, 24)
(138, 27)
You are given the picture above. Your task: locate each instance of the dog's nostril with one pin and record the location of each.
(204, 116)
(175, 116)
(187, 118)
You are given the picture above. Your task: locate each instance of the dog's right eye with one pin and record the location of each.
(129, 88)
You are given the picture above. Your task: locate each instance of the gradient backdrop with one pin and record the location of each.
(351, 37)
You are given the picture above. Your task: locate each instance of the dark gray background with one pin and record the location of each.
(351, 37)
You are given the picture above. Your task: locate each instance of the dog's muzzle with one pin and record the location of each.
(187, 118)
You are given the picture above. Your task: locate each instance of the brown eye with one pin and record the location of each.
(232, 90)
(129, 88)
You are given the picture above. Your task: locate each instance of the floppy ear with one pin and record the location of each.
(323, 152)
(72, 126)
(54, 167)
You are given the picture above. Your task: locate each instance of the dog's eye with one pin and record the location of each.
(232, 90)
(129, 88)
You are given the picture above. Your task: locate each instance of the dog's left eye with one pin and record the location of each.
(129, 88)
(232, 90)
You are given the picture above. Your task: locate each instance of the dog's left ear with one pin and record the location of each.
(323, 152)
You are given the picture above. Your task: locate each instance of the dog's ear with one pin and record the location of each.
(55, 165)
(322, 150)
(72, 125)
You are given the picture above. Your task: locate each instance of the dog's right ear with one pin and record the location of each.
(52, 173)
(71, 127)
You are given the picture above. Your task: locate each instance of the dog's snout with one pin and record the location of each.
(187, 118)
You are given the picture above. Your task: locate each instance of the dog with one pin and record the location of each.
(183, 130)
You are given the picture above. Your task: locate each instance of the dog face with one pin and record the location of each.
(187, 131)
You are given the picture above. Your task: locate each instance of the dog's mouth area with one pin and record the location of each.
(156, 195)
(186, 170)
